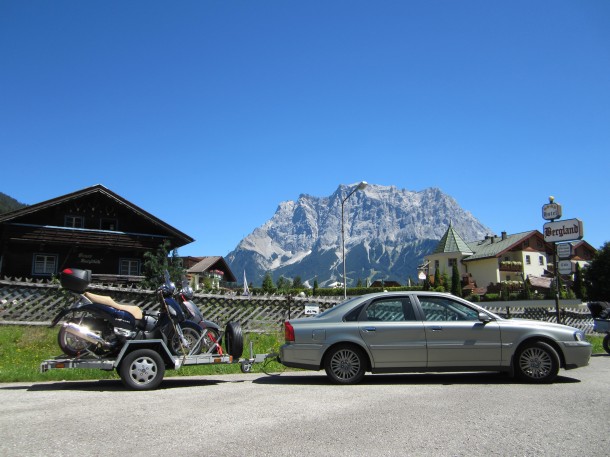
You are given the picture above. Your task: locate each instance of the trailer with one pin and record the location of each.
(141, 364)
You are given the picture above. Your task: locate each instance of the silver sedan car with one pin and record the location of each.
(428, 332)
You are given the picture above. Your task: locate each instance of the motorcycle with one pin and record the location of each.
(212, 336)
(98, 325)
(211, 339)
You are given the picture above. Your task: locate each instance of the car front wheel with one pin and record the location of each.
(537, 362)
(345, 364)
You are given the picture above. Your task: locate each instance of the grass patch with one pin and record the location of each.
(23, 348)
(596, 342)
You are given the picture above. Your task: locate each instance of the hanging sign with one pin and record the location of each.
(564, 267)
(551, 211)
(564, 250)
(566, 230)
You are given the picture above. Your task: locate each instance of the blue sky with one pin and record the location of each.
(209, 113)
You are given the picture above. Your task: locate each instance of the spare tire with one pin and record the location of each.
(234, 340)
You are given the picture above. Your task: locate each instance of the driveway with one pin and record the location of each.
(299, 413)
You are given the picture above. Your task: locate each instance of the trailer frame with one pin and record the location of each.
(141, 364)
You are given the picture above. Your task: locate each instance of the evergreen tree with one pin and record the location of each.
(597, 275)
(282, 284)
(297, 283)
(437, 278)
(159, 261)
(444, 281)
(315, 286)
(359, 283)
(579, 285)
(456, 285)
(527, 292)
(268, 283)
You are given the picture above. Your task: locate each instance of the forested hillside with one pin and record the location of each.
(9, 204)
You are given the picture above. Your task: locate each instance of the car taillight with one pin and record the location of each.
(288, 331)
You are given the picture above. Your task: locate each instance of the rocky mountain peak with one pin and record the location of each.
(388, 231)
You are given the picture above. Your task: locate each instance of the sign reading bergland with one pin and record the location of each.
(566, 230)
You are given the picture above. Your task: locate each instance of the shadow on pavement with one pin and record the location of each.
(409, 379)
(109, 385)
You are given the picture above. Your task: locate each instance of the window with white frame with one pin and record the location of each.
(541, 261)
(44, 264)
(130, 267)
(452, 262)
(528, 260)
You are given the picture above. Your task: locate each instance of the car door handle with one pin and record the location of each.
(370, 329)
(437, 328)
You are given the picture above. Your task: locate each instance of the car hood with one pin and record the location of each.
(537, 324)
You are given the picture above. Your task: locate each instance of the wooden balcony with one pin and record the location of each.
(511, 266)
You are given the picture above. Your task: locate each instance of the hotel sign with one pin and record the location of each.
(566, 230)
(551, 211)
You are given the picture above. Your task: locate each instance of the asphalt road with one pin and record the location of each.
(300, 414)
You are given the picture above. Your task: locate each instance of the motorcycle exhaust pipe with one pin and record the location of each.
(85, 334)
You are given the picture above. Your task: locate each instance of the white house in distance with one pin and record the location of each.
(497, 259)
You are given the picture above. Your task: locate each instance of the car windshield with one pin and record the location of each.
(337, 308)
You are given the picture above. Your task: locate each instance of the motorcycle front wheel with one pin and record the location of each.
(210, 341)
(191, 334)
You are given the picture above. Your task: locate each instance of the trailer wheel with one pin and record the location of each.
(234, 340)
(142, 369)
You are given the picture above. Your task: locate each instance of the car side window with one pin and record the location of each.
(445, 309)
(390, 310)
(352, 316)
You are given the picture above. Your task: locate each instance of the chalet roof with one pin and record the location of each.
(452, 242)
(583, 244)
(213, 263)
(496, 246)
(180, 238)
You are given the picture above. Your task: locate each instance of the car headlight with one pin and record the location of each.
(579, 335)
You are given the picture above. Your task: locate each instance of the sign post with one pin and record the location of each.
(566, 230)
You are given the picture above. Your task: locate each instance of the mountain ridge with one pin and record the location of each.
(388, 231)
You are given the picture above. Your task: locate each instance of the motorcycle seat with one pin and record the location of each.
(135, 311)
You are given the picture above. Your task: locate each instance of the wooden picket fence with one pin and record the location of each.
(37, 302)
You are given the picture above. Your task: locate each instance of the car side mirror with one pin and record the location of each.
(484, 317)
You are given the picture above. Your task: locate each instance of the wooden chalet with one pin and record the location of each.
(213, 269)
(92, 228)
